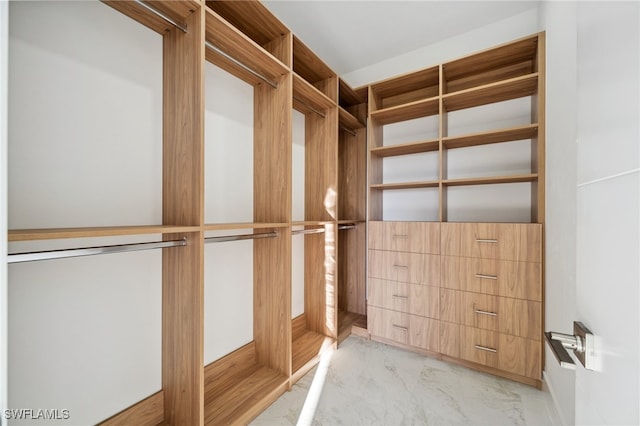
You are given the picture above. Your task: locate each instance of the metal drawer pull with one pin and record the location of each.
(482, 240)
(400, 327)
(491, 314)
(404, 237)
(400, 267)
(484, 348)
(400, 297)
(487, 277)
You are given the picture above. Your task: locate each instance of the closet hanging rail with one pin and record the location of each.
(352, 226)
(271, 83)
(351, 132)
(308, 231)
(91, 251)
(320, 113)
(225, 238)
(158, 13)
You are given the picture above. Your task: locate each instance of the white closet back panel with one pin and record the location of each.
(228, 147)
(418, 129)
(297, 166)
(419, 204)
(85, 102)
(228, 295)
(85, 334)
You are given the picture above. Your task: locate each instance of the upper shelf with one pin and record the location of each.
(177, 11)
(417, 109)
(408, 88)
(405, 148)
(258, 23)
(513, 88)
(348, 120)
(235, 44)
(306, 96)
(311, 68)
(104, 231)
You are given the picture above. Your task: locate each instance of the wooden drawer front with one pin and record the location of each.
(404, 328)
(450, 339)
(413, 237)
(506, 241)
(520, 280)
(405, 267)
(509, 353)
(509, 316)
(403, 297)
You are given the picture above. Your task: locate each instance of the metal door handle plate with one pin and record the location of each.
(581, 343)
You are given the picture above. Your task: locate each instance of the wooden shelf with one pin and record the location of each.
(348, 120)
(176, 10)
(417, 109)
(306, 349)
(490, 93)
(237, 388)
(310, 67)
(242, 225)
(312, 223)
(347, 96)
(258, 23)
(305, 96)
(491, 180)
(106, 231)
(237, 45)
(407, 88)
(484, 138)
(406, 148)
(406, 185)
(348, 221)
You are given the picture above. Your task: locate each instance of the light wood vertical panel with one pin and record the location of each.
(272, 203)
(443, 132)
(352, 183)
(272, 152)
(321, 160)
(374, 136)
(282, 48)
(182, 267)
(272, 301)
(351, 245)
(538, 143)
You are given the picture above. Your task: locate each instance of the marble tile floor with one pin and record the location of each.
(370, 383)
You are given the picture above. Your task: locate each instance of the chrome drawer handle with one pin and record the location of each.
(491, 314)
(484, 348)
(484, 240)
(400, 297)
(400, 267)
(404, 237)
(400, 327)
(487, 277)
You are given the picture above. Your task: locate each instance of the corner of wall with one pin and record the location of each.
(4, 53)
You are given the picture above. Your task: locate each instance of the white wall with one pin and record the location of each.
(608, 211)
(558, 19)
(297, 214)
(4, 52)
(85, 149)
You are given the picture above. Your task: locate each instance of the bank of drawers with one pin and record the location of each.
(491, 295)
(472, 291)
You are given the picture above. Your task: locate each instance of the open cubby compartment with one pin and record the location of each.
(254, 20)
(320, 175)
(310, 67)
(314, 330)
(353, 104)
(510, 201)
(406, 89)
(506, 62)
(230, 49)
(352, 176)
(175, 148)
(352, 298)
(242, 383)
(418, 204)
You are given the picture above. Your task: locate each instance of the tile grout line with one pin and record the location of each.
(609, 177)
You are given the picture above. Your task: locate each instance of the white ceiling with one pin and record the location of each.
(350, 35)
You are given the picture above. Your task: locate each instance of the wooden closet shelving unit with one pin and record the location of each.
(248, 42)
(470, 293)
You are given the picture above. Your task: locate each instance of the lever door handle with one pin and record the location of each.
(581, 343)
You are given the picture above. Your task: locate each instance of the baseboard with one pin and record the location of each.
(555, 414)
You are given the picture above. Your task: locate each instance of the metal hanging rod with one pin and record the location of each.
(160, 14)
(225, 238)
(351, 132)
(320, 113)
(341, 227)
(241, 65)
(91, 251)
(307, 231)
